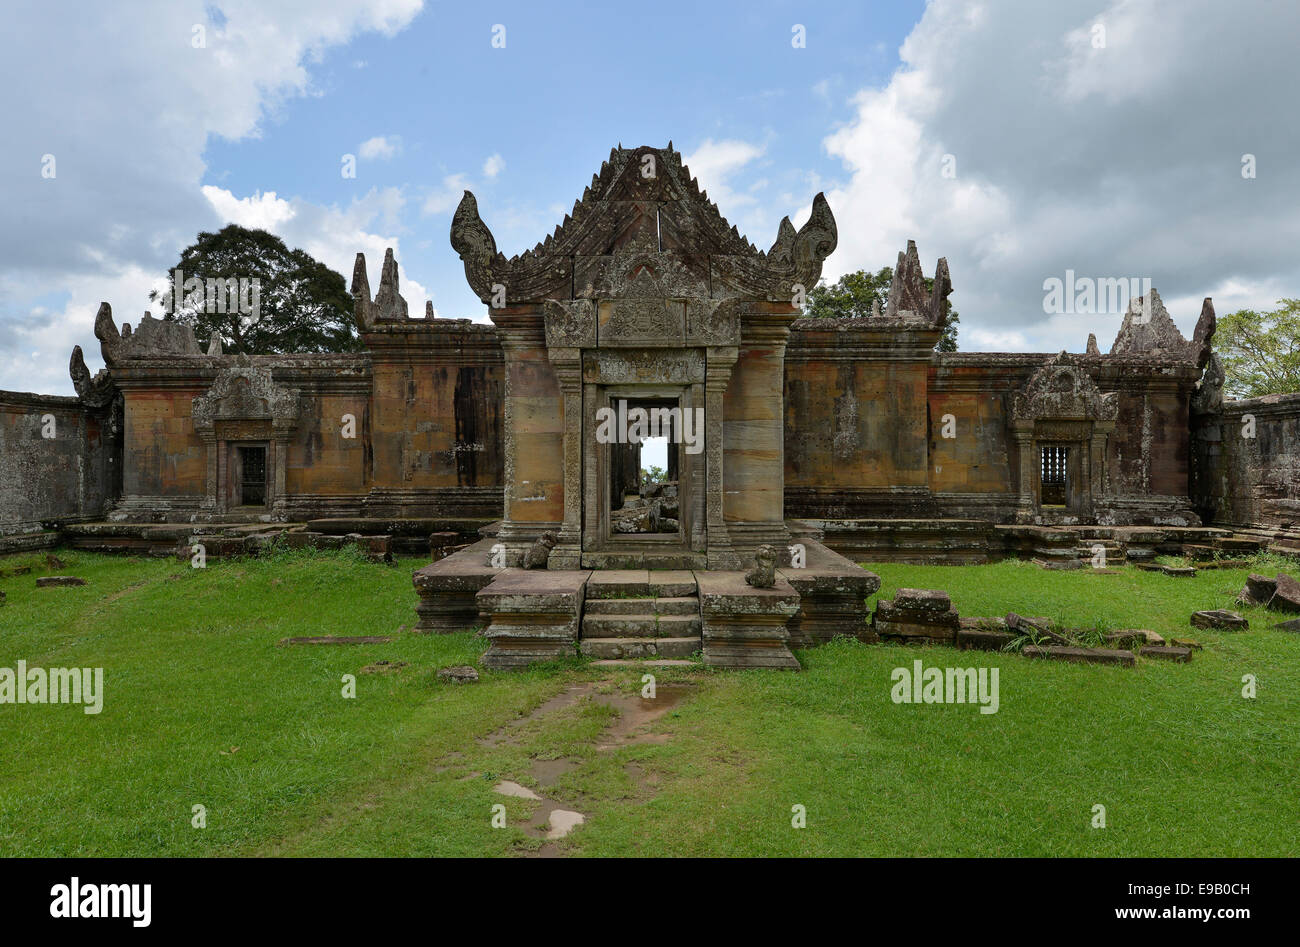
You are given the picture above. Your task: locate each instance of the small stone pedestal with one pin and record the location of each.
(534, 615)
(745, 627)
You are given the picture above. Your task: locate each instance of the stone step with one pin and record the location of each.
(641, 647)
(640, 626)
(640, 583)
(647, 663)
(642, 606)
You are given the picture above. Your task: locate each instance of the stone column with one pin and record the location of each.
(568, 369)
(717, 373)
(1023, 434)
(279, 504)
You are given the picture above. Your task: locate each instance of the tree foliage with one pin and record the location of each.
(301, 305)
(1260, 351)
(851, 296)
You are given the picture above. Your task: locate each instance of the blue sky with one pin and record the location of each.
(1003, 136)
(564, 90)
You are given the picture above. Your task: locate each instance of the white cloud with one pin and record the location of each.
(493, 166)
(332, 235)
(1122, 161)
(380, 147)
(127, 105)
(444, 198)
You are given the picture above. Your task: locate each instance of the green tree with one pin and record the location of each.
(1260, 351)
(652, 475)
(851, 296)
(300, 304)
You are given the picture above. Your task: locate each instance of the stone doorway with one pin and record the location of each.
(628, 523)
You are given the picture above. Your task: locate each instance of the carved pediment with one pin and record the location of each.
(646, 198)
(1149, 329)
(245, 392)
(1060, 391)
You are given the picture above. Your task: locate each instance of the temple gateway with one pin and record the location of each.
(792, 446)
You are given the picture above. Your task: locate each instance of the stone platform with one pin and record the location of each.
(654, 614)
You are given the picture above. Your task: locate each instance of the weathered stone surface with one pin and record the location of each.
(534, 615)
(1258, 590)
(1134, 638)
(458, 674)
(1287, 596)
(746, 626)
(1182, 655)
(763, 573)
(448, 588)
(539, 552)
(50, 581)
(1292, 625)
(1219, 618)
(1186, 643)
(1081, 655)
(983, 639)
(922, 600)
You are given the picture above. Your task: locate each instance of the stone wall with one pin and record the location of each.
(1241, 480)
(68, 475)
(866, 406)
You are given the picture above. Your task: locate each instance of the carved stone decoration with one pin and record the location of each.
(712, 322)
(96, 392)
(909, 302)
(636, 193)
(1062, 391)
(763, 573)
(388, 306)
(1149, 330)
(570, 323)
(245, 392)
(539, 552)
(1092, 344)
(1208, 396)
(153, 338)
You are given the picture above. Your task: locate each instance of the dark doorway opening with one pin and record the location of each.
(252, 475)
(643, 470)
(1054, 474)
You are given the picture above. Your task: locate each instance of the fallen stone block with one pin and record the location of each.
(1292, 625)
(1182, 572)
(1035, 627)
(1287, 596)
(458, 674)
(922, 600)
(1134, 637)
(982, 639)
(1259, 589)
(1219, 618)
(51, 581)
(1081, 655)
(1059, 565)
(888, 611)
(1185, 643)
(1182, 655)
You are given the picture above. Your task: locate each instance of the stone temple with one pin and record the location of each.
(515, 444)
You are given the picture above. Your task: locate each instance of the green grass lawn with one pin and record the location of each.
(202, 707)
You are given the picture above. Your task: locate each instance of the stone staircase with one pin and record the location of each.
(638, 613)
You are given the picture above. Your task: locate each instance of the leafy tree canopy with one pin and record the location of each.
(297, 304)
(1260, 351)
(851, 296)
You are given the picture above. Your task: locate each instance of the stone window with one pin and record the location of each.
(1054, 467)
